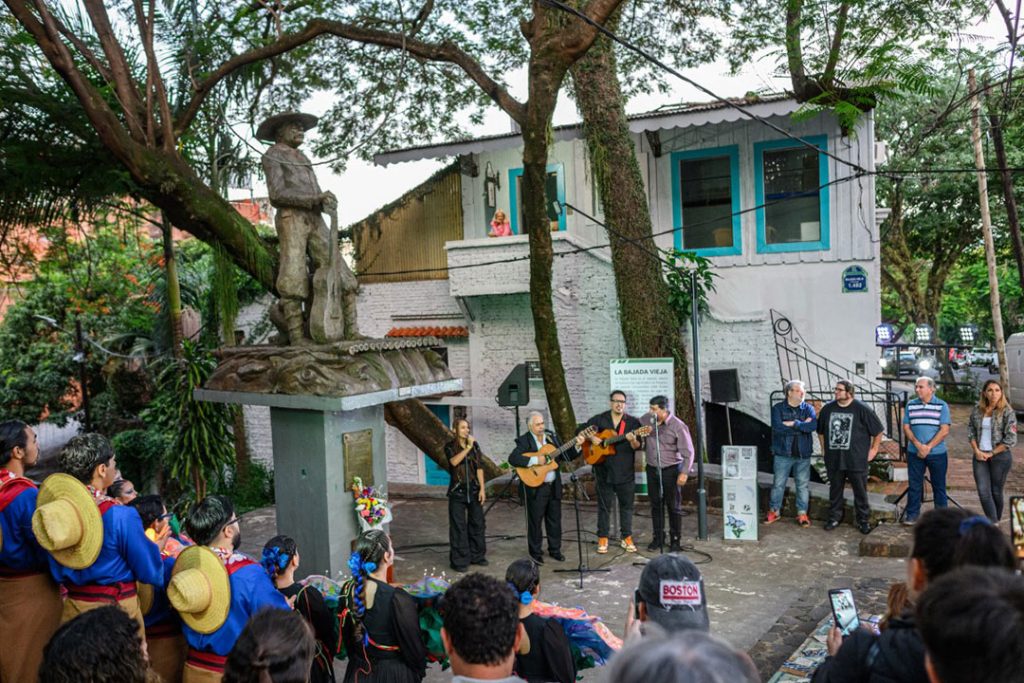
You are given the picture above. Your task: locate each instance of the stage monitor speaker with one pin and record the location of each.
(725, 386)
(515, 390)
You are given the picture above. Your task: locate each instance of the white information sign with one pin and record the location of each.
(739, 493)
(642, 379)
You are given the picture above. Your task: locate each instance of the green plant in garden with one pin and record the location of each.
(202, 443)
(677, 273)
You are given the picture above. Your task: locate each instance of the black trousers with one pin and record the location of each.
(542, 507)
(837, 479)
(465, 529)
(665, 499)
(607, 493)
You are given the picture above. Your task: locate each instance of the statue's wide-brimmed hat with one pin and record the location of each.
(67, 522)
(268, 129)
(200, 589)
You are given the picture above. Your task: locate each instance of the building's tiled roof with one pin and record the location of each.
(428, 331)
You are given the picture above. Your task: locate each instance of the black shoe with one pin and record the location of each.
(461, 570)
(481, 563)
(674, 547)
(538, 559)
(831, 524)
(864, 528)
(557, 556)
(654, 545)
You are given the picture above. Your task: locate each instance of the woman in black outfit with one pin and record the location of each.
(379, 624)
(281, 559)
(465, 499)
(544, 654)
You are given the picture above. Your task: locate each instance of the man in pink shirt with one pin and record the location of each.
(669, 451)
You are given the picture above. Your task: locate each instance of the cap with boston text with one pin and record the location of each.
(672, 589)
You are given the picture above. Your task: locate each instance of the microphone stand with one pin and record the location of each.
(661, 489)
(583, 567)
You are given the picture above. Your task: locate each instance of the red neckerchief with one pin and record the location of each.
(101, 497)
(6, 475)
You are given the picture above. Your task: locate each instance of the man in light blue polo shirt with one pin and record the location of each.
(926, 425)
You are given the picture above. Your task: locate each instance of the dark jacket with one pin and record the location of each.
(463, 481)
(525, 444)
(782, 436)
(896, 656)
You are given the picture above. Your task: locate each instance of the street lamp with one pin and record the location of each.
(923, 334)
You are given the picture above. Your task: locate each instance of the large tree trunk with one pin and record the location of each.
(427, 433)
(1012, 216)
(649, 325)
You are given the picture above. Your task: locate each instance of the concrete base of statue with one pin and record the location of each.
(322, 442)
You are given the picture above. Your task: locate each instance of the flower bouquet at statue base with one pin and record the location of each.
(371, 506)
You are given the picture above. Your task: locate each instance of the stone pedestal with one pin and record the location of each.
(322, 441)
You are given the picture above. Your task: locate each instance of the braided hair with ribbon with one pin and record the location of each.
(370, 548)
(523, 576)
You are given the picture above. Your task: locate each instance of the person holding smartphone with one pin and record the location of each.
(992, 430)
(944, 539)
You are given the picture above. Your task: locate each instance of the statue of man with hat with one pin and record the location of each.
(98, 548)
(317, 305)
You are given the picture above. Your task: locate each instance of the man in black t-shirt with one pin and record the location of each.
(850, 435)
(614, 475)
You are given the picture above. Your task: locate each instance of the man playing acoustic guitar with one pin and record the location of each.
(543, 502)
(613, 473)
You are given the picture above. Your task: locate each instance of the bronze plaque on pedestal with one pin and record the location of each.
(357, 449)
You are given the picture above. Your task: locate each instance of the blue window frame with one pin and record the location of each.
(791, 180)
(706, 201)
(555, 187)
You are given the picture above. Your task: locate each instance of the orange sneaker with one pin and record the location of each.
(803, 520)
(628, 545)
(602, 545)
(772, 517)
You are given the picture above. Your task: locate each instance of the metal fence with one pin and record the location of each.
(887, 405)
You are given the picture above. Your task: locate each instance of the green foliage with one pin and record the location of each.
(202, 443)
(966, 297)
(253, 492)
(141, 454)
(677, 274)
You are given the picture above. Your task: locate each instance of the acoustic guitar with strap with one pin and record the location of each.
(533, 476)
(596, 454)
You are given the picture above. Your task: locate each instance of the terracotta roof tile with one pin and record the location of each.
(428, 331)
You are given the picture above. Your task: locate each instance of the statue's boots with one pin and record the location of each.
(292, 313)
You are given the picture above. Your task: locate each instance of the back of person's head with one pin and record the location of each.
(972, 624)
(277, 554)
(687, 657)
(13, 434)
(672, 592)
(275, 647)
(947, 538)
(150, 508)
(208, 518)
(98, 646)
(481, 618)
(523, 576)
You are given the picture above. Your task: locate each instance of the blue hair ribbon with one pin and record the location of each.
(971, 522)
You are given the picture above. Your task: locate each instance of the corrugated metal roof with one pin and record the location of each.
(670, 116)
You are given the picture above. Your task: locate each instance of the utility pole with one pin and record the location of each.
(986, 227)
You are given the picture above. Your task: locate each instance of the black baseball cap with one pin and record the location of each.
(672, 589)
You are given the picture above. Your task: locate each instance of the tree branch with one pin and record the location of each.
(794, 48)
(443, 52)
(837, 40)
(123, 81)
(154, 80)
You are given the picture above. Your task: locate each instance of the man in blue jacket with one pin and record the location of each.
(793, 422)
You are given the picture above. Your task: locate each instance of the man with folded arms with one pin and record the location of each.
(98, 548)
(30, 604)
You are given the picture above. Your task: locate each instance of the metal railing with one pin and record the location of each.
(887, 405)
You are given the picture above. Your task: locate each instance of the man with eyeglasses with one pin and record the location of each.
(850, 434)
(614, 475)
(213, 523)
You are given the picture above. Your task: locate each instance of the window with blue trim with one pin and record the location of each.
(790, 182)
(554, 190)
(706, 201)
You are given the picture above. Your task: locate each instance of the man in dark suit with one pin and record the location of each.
(544, 502)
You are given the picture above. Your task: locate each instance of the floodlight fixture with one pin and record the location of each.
(968, 333)
(923, 334)
(885, 334)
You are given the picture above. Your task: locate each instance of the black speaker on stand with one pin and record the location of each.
(513, 392)
(725, 388)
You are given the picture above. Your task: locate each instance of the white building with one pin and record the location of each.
(785, 227)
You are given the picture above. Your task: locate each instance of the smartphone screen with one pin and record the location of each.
(843, 610)
(1017, 523)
